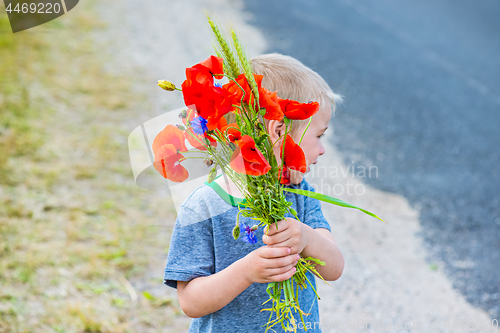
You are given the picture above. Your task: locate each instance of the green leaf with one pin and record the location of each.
(269, 287)
(326, 198)
(317, 261)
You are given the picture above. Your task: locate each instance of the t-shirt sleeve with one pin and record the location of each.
(313, 214)
(191, 250)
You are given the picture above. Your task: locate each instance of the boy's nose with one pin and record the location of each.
(321, 149)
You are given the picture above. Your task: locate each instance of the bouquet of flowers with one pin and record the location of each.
(243, 151)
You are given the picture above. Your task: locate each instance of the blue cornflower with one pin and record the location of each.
(249, 233)
(199, 125)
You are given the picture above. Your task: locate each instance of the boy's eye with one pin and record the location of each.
(320, 136)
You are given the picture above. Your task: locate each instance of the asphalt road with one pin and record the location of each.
(421, 81)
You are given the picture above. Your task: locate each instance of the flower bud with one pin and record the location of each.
(212, 175)
(182, 128)
(183, 114)
(236, 232)
(167, 85)
(208, 161)
(254, 227)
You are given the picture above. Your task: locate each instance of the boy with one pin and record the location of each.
(222, 282)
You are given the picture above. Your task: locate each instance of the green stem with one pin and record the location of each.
(283, 153)
(309, 123)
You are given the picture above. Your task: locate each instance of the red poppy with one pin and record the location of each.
(167, 162)
(294, 155)
(285, 175)
(205, 70)
(222, 104)
(221, 124)
(270, 101)
(294, 159)
(232, 132)
(296, 110)
(215, 65)
(198, 89)
(170, 135)
(211, 102)
(167, 146)
(248, 159)
(236, 91)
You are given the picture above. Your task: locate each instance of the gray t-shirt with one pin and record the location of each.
(202, 244)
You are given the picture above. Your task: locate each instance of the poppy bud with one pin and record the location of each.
(183, 114)
(254, 227)
(236, 232)
(232, 146)
(293, 211)
(212, 174)
(167, 85)
(208, 162)
(182, 128)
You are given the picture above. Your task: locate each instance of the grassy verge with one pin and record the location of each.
(82, 248)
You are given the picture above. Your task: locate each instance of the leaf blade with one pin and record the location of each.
(329, 199)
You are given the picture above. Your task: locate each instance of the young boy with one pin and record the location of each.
(220, 282)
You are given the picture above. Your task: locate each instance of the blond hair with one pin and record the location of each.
(293, 80)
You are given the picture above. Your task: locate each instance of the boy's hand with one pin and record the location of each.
(290, 233)
(267, 264)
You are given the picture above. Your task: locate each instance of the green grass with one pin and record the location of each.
(18, 131)
(74, 233)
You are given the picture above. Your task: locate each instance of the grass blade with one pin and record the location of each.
(332, 200)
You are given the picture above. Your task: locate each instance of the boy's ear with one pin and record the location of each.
(276, 128)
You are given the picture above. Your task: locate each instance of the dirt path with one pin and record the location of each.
(387, 278)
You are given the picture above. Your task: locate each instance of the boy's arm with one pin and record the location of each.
(317, 243)
(204, 295)
(321, 245)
